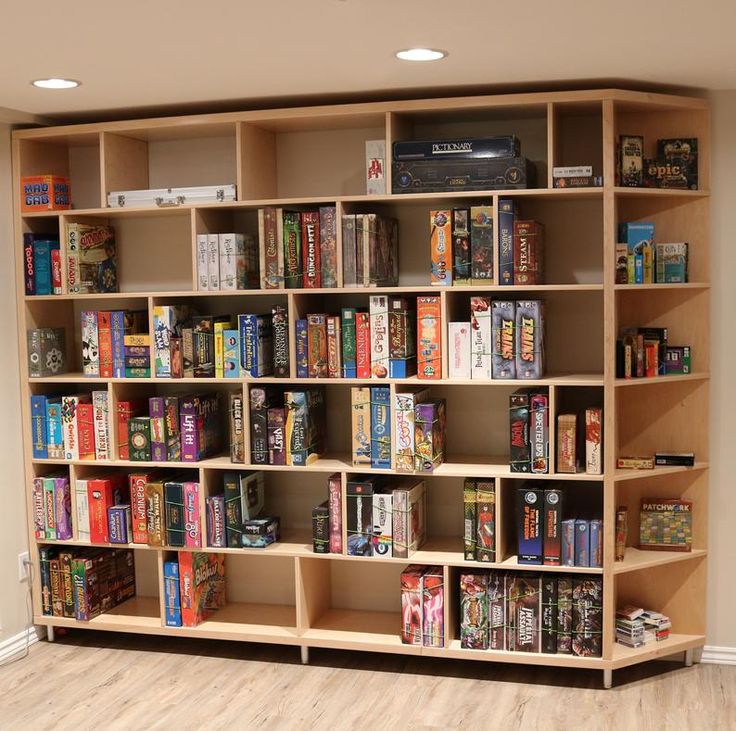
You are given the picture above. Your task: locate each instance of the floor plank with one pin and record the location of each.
(93, 680)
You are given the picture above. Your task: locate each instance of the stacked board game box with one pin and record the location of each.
(523, 612)
(297, 249)
(287, 427)
(385, 518)
(439, 166)
(227, 262)
(82, 583)
(546, 535)
(189, 345)
(423, 606)
(194, 588)
(72, 426)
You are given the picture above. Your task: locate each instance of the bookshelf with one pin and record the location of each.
(300, 157)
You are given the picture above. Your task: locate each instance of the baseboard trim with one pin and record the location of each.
(719, 655)
(17, 643)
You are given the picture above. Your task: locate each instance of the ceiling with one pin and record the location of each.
(158, 54)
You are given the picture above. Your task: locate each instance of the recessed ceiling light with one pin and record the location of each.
(421, 54)
(55, 83)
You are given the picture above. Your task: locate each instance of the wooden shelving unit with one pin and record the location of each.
(315, 155)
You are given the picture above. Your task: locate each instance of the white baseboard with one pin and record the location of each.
(17, 643)
(719, 655)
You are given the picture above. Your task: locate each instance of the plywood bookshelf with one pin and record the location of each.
(298, 157)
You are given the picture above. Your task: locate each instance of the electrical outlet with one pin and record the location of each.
(23, 561)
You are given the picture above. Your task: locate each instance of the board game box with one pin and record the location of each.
(665, 524)
(429, 435)
(202, 583)
(525, 613)
(474, 610)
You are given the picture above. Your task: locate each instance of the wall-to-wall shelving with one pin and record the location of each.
(310, 156)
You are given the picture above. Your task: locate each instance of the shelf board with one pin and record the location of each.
(453, 650)
(139, 614)
(274, 623)
(661, 192)
(661, 286)
(460, 466)
(355, 629)
(620, 475)
(398, 290)
(697, 376)
(394, 198)
(570, 379)
(442, 551)
(637, 560)
(623, 655)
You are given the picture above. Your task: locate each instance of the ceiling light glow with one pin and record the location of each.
(421, 54)
(55, 83)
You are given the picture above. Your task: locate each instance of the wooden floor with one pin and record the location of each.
(89, 680)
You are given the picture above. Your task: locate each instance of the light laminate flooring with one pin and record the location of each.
(93, 680)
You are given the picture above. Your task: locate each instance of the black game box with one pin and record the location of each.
(449, 175)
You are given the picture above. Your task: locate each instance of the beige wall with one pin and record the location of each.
(722, 546)
(722, 587)
(13, 538)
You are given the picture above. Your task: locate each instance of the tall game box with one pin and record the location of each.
(202, 582)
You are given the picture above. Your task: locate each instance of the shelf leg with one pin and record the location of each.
(50, 633)
(688, 658)
(607, 679)
(305, 655)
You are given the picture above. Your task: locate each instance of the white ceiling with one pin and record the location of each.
(154, 53)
